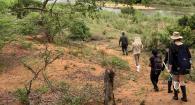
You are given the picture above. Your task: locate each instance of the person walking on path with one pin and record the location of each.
(123, 42)
(136, 47)
(156, 65)
(179, 64)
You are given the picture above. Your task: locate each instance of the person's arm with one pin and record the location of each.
(120, 41)
(189, 54)
(127, 41)
(170, 60)
(166, 58)
(188, 51)
(151, 60)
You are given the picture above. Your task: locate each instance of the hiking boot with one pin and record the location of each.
(175, 97)
(184, 96)
(169, 87)
(138, 68)
(156, 89)
(126, 53)
(170, 91)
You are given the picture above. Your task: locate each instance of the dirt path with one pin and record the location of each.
(142, 91)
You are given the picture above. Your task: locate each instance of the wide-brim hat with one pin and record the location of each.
(176, 35)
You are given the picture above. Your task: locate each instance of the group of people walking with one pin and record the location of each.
(136, 47)
(177, 62)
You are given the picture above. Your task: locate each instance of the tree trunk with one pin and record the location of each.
(108, 87)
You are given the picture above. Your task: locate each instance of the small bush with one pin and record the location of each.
(78, 96)
(119, 63)
(128, 10)
(21, 95)
(79, 30)
(29, 24)
(192, 22)
(115, 62)
(25, 45)
(184, 21)
(42, 90)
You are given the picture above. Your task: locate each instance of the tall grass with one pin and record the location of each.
(151, 28)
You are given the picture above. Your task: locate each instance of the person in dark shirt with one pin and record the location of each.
(156, 67)
(176, 66)
(123, 42)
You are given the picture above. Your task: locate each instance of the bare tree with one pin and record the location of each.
(48, 59)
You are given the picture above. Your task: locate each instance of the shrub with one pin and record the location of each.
(7, 28)
(186, 32)
(184, 21)
(42, 90)
(78, 96)
(187, 21)
(3, 6)
(128, 10)
(192, 22)
(79, 30)
(25, 45)
(21, 95)
(115, 62)
(119, 63)
(29, 24)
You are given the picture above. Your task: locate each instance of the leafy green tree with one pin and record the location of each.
(192, 22)
(184, 21)
(79, 30)
(18, 6)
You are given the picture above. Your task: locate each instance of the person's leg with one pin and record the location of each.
(126, 50)
(153, 79)
(138, 56)
(157, 74)
(169, 84)
(183, 87)
(176, 86)
(136, 62)
(123, 49)
(136, 59)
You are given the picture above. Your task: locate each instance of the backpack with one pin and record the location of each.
(124, 41)
(183, 60)
(158, 64)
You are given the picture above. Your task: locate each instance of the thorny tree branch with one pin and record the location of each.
(53, 5)
(45, 4)
(36, 73)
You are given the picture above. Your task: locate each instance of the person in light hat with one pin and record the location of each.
(179, 64)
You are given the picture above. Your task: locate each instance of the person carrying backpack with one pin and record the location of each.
(156, 65)
(123, 42)
(179, 64)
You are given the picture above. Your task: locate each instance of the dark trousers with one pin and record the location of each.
(154, 75)
(124, 49)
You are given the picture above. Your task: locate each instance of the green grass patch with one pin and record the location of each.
(115, 62)
(21, 95)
